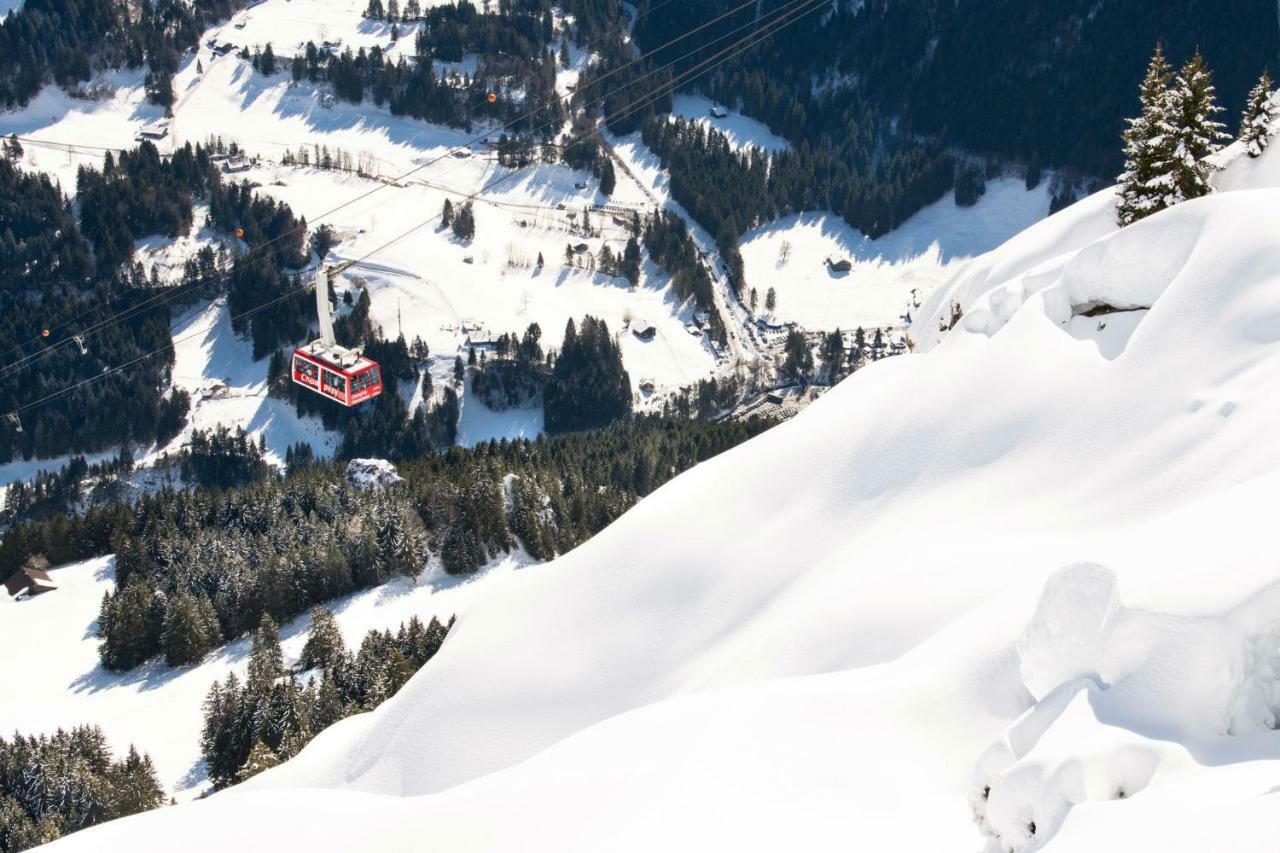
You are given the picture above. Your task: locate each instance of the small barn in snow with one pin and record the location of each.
(32, 579)
(156, 130)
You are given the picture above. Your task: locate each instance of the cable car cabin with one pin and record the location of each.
(340, 374)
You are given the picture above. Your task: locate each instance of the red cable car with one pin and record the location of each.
(341, 374)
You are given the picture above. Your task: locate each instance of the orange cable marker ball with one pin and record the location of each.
(493, 98)
(239, 232)
(44, 333)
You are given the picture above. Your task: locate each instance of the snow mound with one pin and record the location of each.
(370, 474)
(1122, 695)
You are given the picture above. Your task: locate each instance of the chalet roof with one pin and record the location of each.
(29, 579)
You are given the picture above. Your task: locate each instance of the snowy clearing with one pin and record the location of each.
(228, 387)
(287, 25)
(790, 256)
(742, 132)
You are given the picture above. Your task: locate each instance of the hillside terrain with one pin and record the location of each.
(797, 424)
(1072, 680)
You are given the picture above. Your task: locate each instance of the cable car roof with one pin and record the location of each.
(345, 360)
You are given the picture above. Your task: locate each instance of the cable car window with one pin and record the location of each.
(335, 381)
(373, 375)
(306, 368)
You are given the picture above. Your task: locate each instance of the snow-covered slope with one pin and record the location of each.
(54, 679)
(790, 256)
(1015, 592)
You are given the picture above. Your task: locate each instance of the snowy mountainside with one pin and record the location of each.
(1015, 593)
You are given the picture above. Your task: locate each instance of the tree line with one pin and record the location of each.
(195, 569)
(582, 385)
(874, 183)
(268, 719)
(66, 41)
(1044, 86)
(53, 785)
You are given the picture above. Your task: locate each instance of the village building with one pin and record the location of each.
(482, 338)
(156, 130)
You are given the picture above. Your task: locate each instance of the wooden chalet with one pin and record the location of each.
(29, 580)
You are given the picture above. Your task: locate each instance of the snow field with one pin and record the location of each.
(228, 387)
(790, 256)
(287, 25)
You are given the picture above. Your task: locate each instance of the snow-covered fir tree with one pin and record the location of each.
(260, 758)
(1259, 112)
(1147, 184)
(1197, 134)
(324, 645)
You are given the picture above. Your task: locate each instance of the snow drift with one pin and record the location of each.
(1018, 588)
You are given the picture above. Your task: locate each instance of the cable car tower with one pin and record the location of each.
(343, 375)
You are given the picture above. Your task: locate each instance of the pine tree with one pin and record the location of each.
(608, 180)
(1259, 112)
(134, 786)
(464, 221)
(630, 266)
(329, 707)
(833, 355)
(1198, 134)
(799, 362)
(1147, 184)
(446, 214)
(770, 300)
(266, 660)
(186, 638)
(324, 646)
(260, 758)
